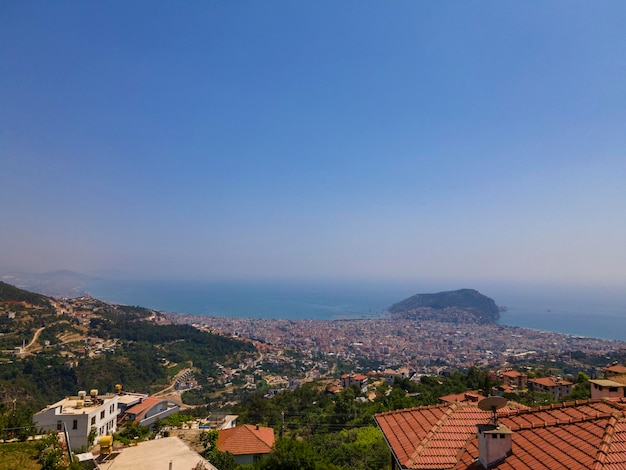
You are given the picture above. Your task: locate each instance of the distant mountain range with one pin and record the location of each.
(60, 283)
(463, 305)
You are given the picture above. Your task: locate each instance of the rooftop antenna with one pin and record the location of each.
(493, 404)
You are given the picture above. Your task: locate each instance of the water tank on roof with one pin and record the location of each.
(118, 388)
(106, 444)
(93, 393)
(80, 403)
(82, 394)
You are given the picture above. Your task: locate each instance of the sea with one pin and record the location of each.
(580, 311)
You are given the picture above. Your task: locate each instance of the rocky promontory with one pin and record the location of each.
(463, 305)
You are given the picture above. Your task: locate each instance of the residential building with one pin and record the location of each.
(247, 443)
(391, 374)
(78, 415)
(514, 378)
(500, 390)
(348, 379)
(149, 410)
(556, 387)
(604, 388)
(587, 434)
(614, 370)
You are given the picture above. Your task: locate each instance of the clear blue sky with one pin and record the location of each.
(357, 140)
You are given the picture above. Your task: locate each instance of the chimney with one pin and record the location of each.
(494, 444)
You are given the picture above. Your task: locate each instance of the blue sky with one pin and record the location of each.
(349, 140)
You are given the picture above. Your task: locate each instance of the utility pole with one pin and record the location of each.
(282, 429)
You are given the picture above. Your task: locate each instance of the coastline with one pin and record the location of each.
(557, 313)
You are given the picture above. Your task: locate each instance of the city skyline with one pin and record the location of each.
(352, 140)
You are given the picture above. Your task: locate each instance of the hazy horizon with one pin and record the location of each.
(456, 144)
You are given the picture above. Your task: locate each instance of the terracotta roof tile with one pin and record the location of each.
(246, 440)
(513, 374)
(616, 369)
(575, 435)
(550, 382)
(140, 409)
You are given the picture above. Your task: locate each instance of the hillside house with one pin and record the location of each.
(605, 388)
(613, 371)
(78, 415)
(514, 378)
(247, 443)
(149, 410)
(556, 387)
(348, 379)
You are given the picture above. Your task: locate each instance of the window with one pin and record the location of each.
(59, 425)
(612, 389)
(93, 420)
(102, 414)
(75, 424)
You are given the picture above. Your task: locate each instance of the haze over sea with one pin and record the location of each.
(591, 312)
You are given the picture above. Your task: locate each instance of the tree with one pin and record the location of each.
(289, 454)
(356, 449)
(582, 388)
(91, 437)
(50, 452)
(221, 460)
(345, 407)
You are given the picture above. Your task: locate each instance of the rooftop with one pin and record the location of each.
(576, 435)
(129, 398)
(246, 439)
(465, 396)
(140, 409)
(155, 454)
(79, 405)
(513, 374)
(607, 383)
(550, 382)
(615, 369)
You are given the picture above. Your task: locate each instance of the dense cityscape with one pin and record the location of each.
(424, 346)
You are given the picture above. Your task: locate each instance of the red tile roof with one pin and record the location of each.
(513, 374)
(550, 382)
(616, 369)
(140, 409)
(465, 396)
(246, 440)
(588, 434)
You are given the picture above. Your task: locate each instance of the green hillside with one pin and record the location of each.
(50, 350)
(9, 293)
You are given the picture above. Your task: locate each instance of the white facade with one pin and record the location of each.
(78, 415)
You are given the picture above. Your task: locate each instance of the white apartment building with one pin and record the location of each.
(78, 414)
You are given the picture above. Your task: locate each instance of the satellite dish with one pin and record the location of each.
(493, 404)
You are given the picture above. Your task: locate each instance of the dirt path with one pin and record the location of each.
(32, 341)
(173, 382)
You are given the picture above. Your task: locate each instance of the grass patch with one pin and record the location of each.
(173, 370)
(19, 456)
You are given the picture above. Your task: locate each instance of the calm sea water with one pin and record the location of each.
(594, 313)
